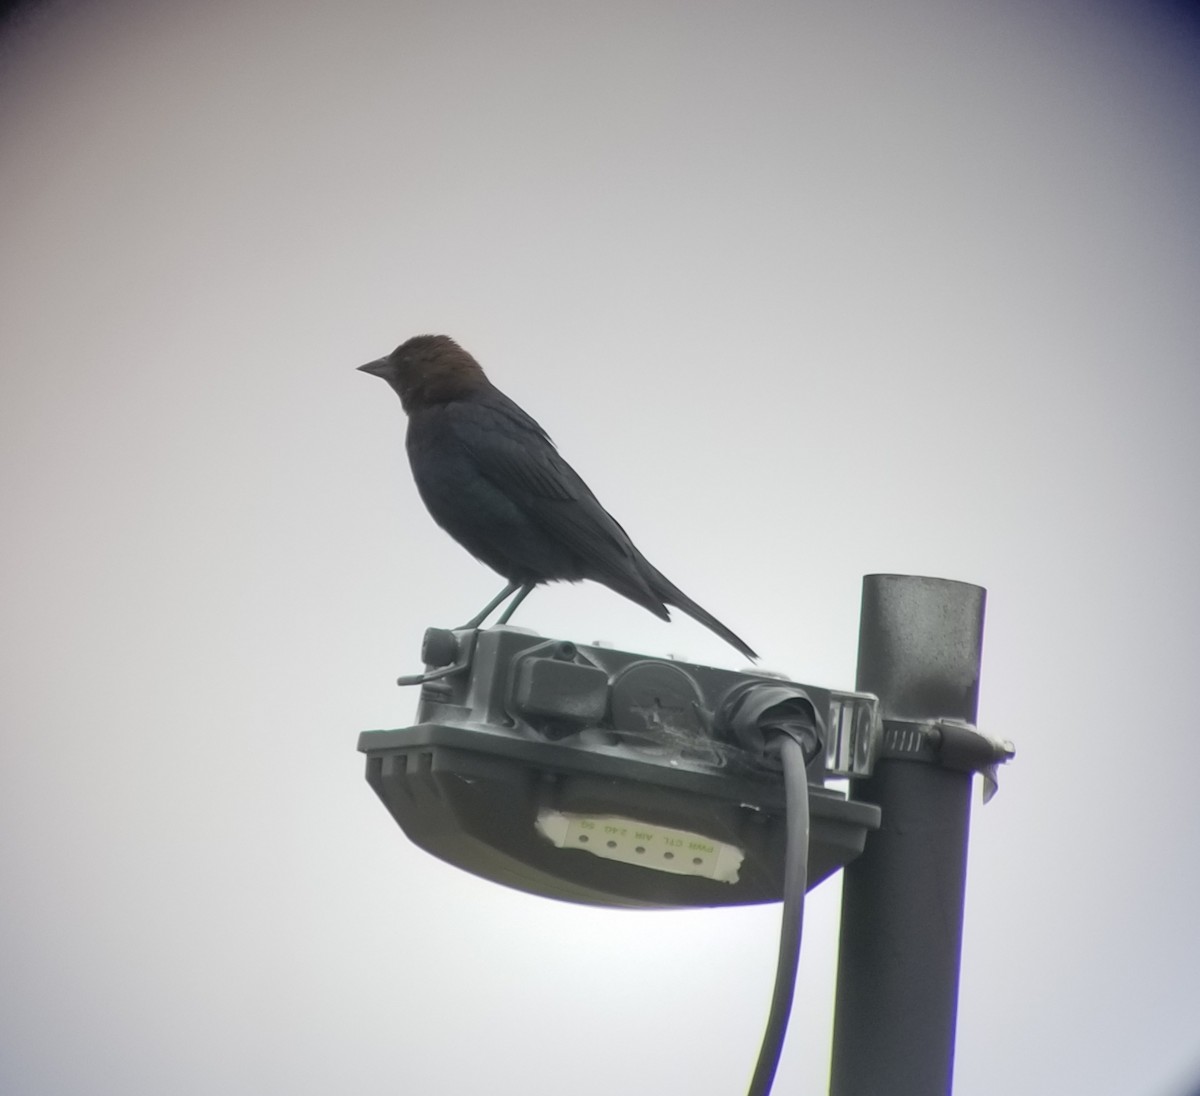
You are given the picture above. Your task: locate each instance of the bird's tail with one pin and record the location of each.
(672, 595)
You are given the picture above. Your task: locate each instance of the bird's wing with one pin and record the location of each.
(511, 449)
(517, 456)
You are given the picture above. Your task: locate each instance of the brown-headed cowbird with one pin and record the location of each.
(492, 478)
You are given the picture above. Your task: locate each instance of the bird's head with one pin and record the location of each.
(427, 370)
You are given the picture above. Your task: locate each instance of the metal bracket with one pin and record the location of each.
(951, 743)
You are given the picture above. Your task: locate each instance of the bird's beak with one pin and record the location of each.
(377, 368)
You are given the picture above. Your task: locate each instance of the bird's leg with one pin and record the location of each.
(487, 610)
(526, 590)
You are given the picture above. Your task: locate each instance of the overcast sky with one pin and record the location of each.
(805, 291)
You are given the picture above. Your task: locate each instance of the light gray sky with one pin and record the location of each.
(804, 291)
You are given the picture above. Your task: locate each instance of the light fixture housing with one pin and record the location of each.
(599, 776)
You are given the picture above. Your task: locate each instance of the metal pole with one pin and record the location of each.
(920, 643)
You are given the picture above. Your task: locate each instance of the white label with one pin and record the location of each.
(660, 848)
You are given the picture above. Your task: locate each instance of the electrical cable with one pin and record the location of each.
(795, 882)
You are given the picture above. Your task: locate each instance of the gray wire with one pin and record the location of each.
(795, 881)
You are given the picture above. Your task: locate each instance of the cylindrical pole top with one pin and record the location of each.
(920, 646)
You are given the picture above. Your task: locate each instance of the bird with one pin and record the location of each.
(491, 477)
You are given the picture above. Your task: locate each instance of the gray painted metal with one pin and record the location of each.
(920, 648)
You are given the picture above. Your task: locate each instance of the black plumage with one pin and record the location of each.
(492, 478)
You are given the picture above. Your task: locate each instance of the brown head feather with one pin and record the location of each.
(431, 369)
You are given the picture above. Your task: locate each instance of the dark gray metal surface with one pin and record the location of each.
(512, 727)
(920, 646)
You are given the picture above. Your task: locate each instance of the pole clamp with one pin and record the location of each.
(951, 743)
